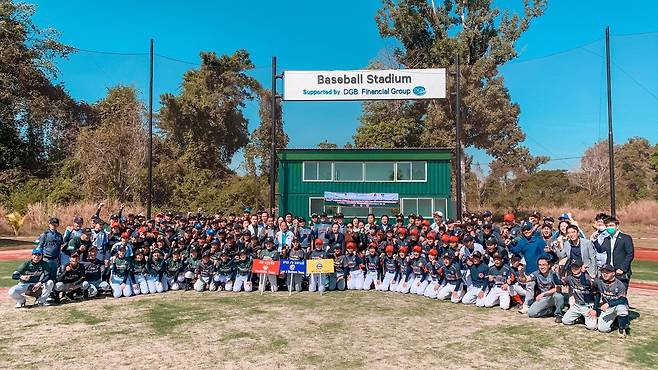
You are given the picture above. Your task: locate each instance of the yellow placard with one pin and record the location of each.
(320, 266)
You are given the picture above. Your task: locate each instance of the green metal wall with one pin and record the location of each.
(294, 193)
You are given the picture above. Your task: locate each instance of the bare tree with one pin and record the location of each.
(594, 173)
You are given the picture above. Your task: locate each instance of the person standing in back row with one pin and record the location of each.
(619, 248)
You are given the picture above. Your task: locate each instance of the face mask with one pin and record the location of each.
(611, 230)
(600, 228)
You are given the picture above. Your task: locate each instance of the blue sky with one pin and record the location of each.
(558, 78)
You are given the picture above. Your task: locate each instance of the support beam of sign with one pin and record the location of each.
(611, 143)
(273, 136)
(458, 142)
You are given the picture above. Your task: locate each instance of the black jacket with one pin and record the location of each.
(623, 252)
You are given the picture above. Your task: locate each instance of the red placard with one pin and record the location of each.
(268, 267)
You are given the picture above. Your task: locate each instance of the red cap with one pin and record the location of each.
(318, 241)
(403, 250)
(418, 249)
(508, 217)
(414, 232)
(445, 238)
(454, 239)
(351, 245)
(402, 230)
(389, 249)
(433, 252)
(426, 223)
(125, 236)
(142, 230)
(431, 235)
(116, 224)
(372, 245)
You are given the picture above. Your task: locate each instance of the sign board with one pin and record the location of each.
(320, 266)
(270, 267)
(293, 266)
(389, 84)
(362, 199)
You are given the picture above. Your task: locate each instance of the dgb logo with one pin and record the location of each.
(319, 266)
(419, 90)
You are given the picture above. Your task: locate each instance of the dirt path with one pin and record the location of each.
(14, 254)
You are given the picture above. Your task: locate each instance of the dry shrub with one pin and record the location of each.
(37, 215)
(5, 229)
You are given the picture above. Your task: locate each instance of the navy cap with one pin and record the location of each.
(526, 226)
(487, 214)
(608, 267)
(37, 251)
(467, 238)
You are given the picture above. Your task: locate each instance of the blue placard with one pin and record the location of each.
(293, 266)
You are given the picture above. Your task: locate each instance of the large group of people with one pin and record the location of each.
(543, 266)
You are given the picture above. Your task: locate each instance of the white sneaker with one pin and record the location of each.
(20, 304)
(523, 309)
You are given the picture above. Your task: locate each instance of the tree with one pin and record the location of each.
(260, 146)
(206, 122)
(430, 36)
(111, 155)
(327, 145)
(633, 170)
(594, 172)
(37, 117)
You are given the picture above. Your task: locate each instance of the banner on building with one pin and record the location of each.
(362, 199)
(293, 266)
(269, 267)
(390, 84)
(320, 266)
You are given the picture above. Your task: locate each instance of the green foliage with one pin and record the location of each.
(544, 188)
(206, 122)
(484, 37)
(260, 145)
(327, 145)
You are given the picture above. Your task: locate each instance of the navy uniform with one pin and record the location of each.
(94, 271)
(391, 272)
(433, 268)
(296, 254)
(418, 281)
(224, 272)
(337, 279)
(479, 286)
(205, 270)
(452, 280)
(71, 277)
(500, 276)
(353, 264)
(613, 294)
(316, 281)
(404, 266)
(554, 302)
(581, 287)
(155, 270)
(175, 271)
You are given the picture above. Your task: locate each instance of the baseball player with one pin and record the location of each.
(315, 282)
(372, 263)
(477, 289)
(242, 273)
(33, 277)
(175, 271)
(71, 277)
(337, 279)
(615, 306)
(224, 276)
(204, 273)
(517, 288)
(94, 270)
(581, 287)
(269, 253)
(452, 279)
(138, 274)
(120, 271)
(191, 264)
(418, 272)
(550, 298)
(500, 277)
(155, 269)
(391, 272)
(404, 267)
(354, 263)
(297, 254)
(433, 268)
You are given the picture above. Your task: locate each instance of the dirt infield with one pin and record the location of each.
(646, 254)
(15, 254)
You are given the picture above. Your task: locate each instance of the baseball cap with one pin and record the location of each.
(563, 216)
(487, 214)
(467, 238)
(526, 226)
(608, 267)
(487, 225)
(37, 251)
(438, 213)
(578, 263)
(477, 254)
(78, 220)
(53, 221)
(269, 239)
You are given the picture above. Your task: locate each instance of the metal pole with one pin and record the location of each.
(458, 143)
(611, 145)
(273, 138)
(150, 144)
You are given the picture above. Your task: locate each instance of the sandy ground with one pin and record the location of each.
(337, 330)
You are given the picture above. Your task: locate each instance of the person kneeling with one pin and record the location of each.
(550, 298)
(34, 280)
(204, 273)
(71, 278)
(452, 279)
(581, 287)
(615, 306)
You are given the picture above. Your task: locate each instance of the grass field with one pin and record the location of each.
(645, 270)
(337, 330)
(7, 267)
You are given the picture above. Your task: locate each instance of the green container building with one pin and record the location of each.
(421, 177)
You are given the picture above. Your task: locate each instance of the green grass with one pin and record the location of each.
(645, 270)
(7, 267)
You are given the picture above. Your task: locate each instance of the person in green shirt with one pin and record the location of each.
(34, 279)
(242, 272)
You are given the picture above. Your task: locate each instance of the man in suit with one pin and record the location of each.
(619, 249)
